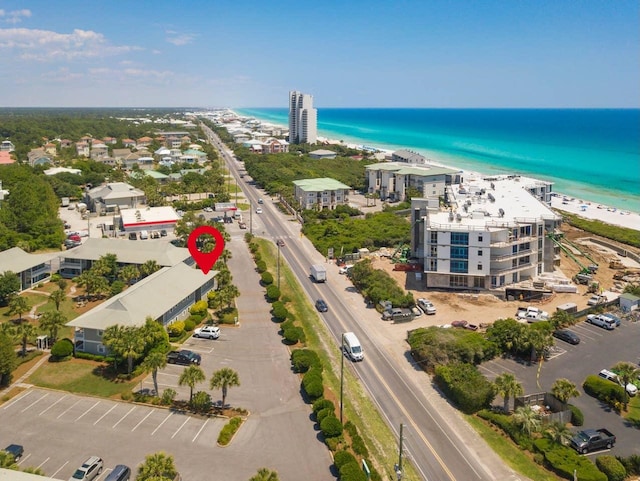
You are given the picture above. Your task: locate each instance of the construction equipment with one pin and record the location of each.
(401, 254)
(616, 264)
(569, 249)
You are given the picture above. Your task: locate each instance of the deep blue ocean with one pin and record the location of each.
(590, 154)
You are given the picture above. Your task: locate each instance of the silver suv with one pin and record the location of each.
(89, 470)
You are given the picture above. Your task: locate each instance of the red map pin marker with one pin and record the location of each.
(204, 260)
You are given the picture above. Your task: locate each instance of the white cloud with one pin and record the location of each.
(179, 39)
(125, 74)
(63, 74)
(45, 45)
(14, 16)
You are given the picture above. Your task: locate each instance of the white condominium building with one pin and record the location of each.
(493, 233)
(303, 127)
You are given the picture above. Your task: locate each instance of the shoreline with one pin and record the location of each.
(585, 208)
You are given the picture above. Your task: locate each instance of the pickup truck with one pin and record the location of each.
(592, 439)
(531, 314)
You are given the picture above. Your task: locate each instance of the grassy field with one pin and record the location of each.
(79, 376)
(633, 413)
(358, 406)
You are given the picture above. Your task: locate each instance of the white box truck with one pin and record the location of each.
(351, 346)
(318, 273)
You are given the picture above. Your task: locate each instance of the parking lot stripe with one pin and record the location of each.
(100, 418)
(141, 421)
(19, 398)
(35, 402)
(68, 409)
(59, 469)
(198, 433)
(53, 405)
(160, 425)
(185, 422)
(122, 418)
(43, 462)
(82, 415)
(24, 458)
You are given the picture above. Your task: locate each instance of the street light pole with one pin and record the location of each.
(278, 266)
(341, 374)
(398, 467)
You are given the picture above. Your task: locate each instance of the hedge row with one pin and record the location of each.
(563, 461)
(504, 422)
(465, 386)
(228, 430)
(604, 390)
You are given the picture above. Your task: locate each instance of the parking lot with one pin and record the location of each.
(598, 349)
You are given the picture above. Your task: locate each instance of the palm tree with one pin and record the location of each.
(18, 305)
(190, 377)
(24, 331)
(626, 372)
(154, 361)
(124, 341)
(560, 319)
(563, 390)
(265, 474)
(224, 379)
(507, 386)
(527, 419)
(58, 297)
(558, 433)
(128, 273)
(156, 467)
(52, 321)
(149, 268)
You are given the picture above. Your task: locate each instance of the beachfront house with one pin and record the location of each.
(390, 180)
(491, 234)
(319, 194)
(322, 154)
(408, 156)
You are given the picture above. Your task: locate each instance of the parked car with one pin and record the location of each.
(119, 473)
(601, 321)
(184, 357)
(595, 300)
(14, 450)
(459, 323)
(567, 336)
(345, 269)
(155, 234)
(209, 332)
(74, 238)
(242, 225)
(163, 233)
(631, 389)
(613, 317)
(207, 209)
(133, 236)
(89, 470)
(427, 306)
(321, 305)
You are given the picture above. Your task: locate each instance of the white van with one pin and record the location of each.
(351, 346)
(144, 235)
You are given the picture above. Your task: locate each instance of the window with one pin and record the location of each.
(459, 252)
(514, 277)
(101, 349)
(459, 266)
(494, 281)
(479, 266)
(480, 237)
(434, 237)
(100, 332)
(433, 265)
(460, 238)
(478, 282)
(479, 252)
(457, 281)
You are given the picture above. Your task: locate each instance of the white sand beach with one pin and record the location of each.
(592, 211)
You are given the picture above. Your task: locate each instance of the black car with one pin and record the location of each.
(321, 305)
(15, 450)
(184, 357)
(567, 336)
(163, 233)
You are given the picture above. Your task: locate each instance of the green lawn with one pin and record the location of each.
(79, 376)
(66, 307)
(633, 413)
(511, 454)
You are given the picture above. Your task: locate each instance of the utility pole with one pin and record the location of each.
(278, 266)
(398, 467)
(341, 374)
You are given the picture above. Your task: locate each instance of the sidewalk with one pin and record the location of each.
(20, 381)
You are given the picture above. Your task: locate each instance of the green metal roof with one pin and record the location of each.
(410, 169)
(320, 184)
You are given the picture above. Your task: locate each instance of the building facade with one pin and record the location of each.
(319, 194)
(303, 118)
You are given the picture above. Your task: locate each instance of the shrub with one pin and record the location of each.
(199, 308)
(273, 293)
(303, 359)
(189, 325)
(201, 401)
(323, 413)
(358, 446)
(175, 329)
(505, 423)
(261, 266)
(168, 395)
(94, 357)
(605, 391)
(257, 257)
(293, 335)
(321, 404)
(352, 472)
(55, 277)
(116, 288)
(286, 325)
(613, 468)
(343, 457)
(312, 383)
(331, 426)
(279, 312)
(126, 396)
(631, 464)
(465, 386)
(228, 430)
(62, 349)
(577, 418)
(563, 460)
(266, 278)
(334, 444)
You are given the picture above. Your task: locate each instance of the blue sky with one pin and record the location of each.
(245, 53)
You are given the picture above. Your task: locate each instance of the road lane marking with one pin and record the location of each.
(122, 418)
(100, 418)
(67, 410)
(19, 398)
(160, 425)
(60, 469)
(82, 415)
(53, 405)
(185, 422)
(136, 427)
(198, 433)
(42, 463)
(35, 402)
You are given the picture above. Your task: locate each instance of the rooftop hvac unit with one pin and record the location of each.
(491, 197)
(465, 207)
(501, 212)
(450, 216)
(468, 202)
(493, 186)
(458, 217)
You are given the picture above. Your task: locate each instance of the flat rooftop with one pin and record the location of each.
(148, 216)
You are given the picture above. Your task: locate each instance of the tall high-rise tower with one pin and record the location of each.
(303, 119)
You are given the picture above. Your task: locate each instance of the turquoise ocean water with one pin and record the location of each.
(593, 155)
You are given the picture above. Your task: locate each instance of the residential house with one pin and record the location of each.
(30, 268)
(322, 154)
(197, 155)
(164, 296)
(7, 146)
(130, 160)
(408, 156)
(120, 154)
(110, 140)
(128, 143)
(321, 193)
(65, 143)
(83, 149)
(6, 159)
(39, 157)
(275, 146)
(143, 142)
(113, 197)
(99, 150)
(51, 149)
